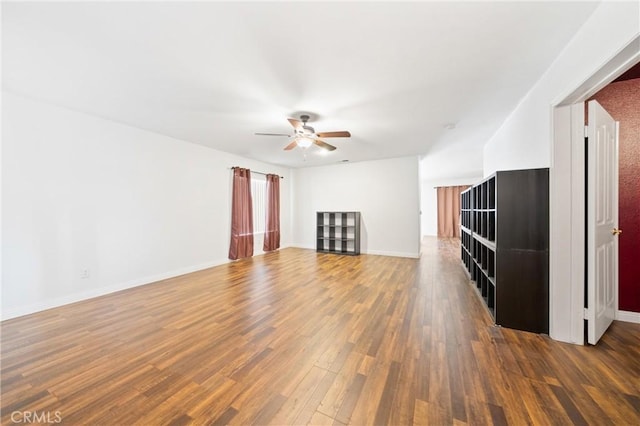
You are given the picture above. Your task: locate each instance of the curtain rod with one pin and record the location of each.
(253, 171)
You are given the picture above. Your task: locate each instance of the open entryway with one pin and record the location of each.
(584, 199)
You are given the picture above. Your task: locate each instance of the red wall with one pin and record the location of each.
(622, 100)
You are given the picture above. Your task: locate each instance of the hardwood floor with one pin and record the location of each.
(296, 337)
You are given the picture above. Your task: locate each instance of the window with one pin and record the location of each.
(259, 194)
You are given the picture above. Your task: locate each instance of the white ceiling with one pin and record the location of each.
(393, 74)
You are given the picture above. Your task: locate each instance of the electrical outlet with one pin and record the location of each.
(84, 273)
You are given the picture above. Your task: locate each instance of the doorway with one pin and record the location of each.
(621, 99)
(567, 190)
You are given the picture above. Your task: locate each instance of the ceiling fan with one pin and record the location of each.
(305, 136)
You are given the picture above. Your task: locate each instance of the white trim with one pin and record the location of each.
(392, 254)
(628, 316)
(609, 71)
(302, 246)
(559, 187)
(560, 226)
(566, 225)
(578, 219)
(371, 252)
(78, 297)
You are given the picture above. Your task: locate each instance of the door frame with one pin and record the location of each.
(567, 188)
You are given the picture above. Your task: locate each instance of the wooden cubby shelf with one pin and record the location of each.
(505, 246)
(338, 232)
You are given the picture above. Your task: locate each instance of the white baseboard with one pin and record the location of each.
(627, 316)
(77, 297)
(302, 246)
(393, 254)
(374, 252)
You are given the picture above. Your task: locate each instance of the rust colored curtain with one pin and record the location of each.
(272, 221)
(241, 215)
(449, 210)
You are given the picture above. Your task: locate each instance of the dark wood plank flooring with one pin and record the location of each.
(296, 337)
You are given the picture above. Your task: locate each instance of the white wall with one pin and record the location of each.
(385, 191)
(525, 139)
(429, 200)
(128, 205)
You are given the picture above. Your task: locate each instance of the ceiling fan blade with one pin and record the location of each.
(324, 145)
(342, 134)
(291, 146)
(297, 124)
(272, 134)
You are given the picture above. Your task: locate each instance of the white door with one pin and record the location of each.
(602, 220)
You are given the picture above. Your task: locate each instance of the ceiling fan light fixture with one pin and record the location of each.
(305, 136)
(305, 142)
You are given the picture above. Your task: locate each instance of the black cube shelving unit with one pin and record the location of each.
(338, 232)
(505, 246)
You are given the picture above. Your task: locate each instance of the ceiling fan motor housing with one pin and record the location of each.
(307, 130)
(304, 129)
